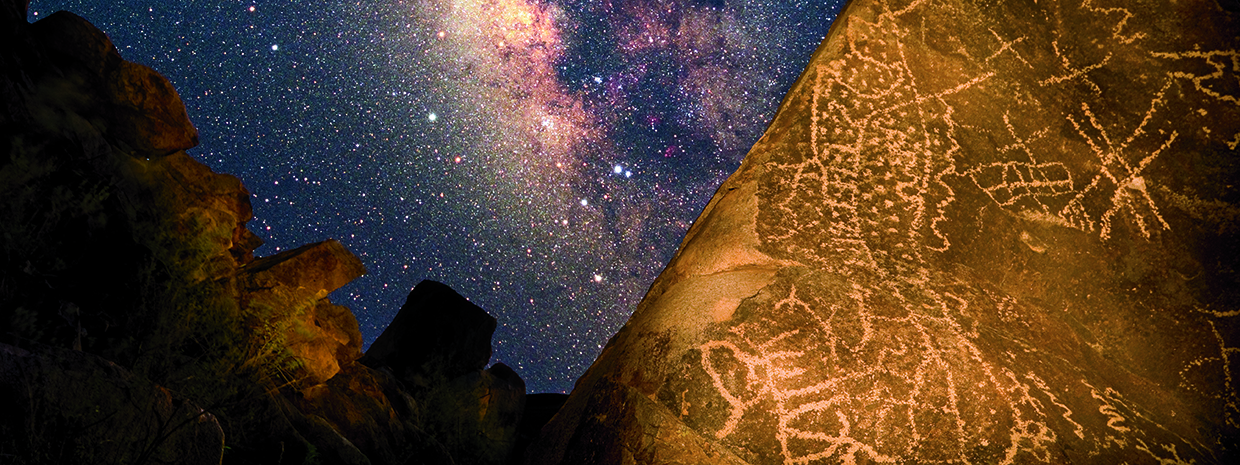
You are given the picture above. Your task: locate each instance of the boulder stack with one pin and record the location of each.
(136, 325)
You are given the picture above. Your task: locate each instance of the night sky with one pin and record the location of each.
(542, 157)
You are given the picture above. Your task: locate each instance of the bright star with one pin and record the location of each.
(598, 278)
(274, 47)
(584, 202)
(432, 117)
(617, 169)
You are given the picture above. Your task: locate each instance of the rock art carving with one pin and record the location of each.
(992, 229)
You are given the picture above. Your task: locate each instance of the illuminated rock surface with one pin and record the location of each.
(286, 297)
(975, 232)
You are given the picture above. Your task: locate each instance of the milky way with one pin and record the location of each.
(543, 158)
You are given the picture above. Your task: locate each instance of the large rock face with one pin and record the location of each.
(975, 232)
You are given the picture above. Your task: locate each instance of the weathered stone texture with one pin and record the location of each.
(476, 415)
(135, 104)
(975, 232)
(284, 297)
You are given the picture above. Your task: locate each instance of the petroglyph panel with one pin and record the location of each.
(995, 232)
(932, 151)
(821, 369)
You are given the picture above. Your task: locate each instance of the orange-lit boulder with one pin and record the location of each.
(284, 299)
(133, 103)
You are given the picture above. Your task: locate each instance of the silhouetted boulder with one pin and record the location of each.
(436, 347)
(437, 336)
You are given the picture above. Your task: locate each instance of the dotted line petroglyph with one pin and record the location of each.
(1006, 46)
(1118, 187)
(1174, 459)
(1009, 182)
(1078, 430)
(1114, 419)
(1127, 188)
(1118, 32)
(1216, 364)
(1073, 72)
(1221, 60)
(857, 107)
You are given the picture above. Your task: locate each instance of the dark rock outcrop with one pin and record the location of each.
(539, 408)
(975, 232)
(80, 199)
(63, 406)
(437, 347)
(476, 415)
(369, 410)
(135, 105)
(437, 336)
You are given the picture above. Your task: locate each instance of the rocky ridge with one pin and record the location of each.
(137, 326)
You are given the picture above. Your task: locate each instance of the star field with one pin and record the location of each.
(543, 158)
